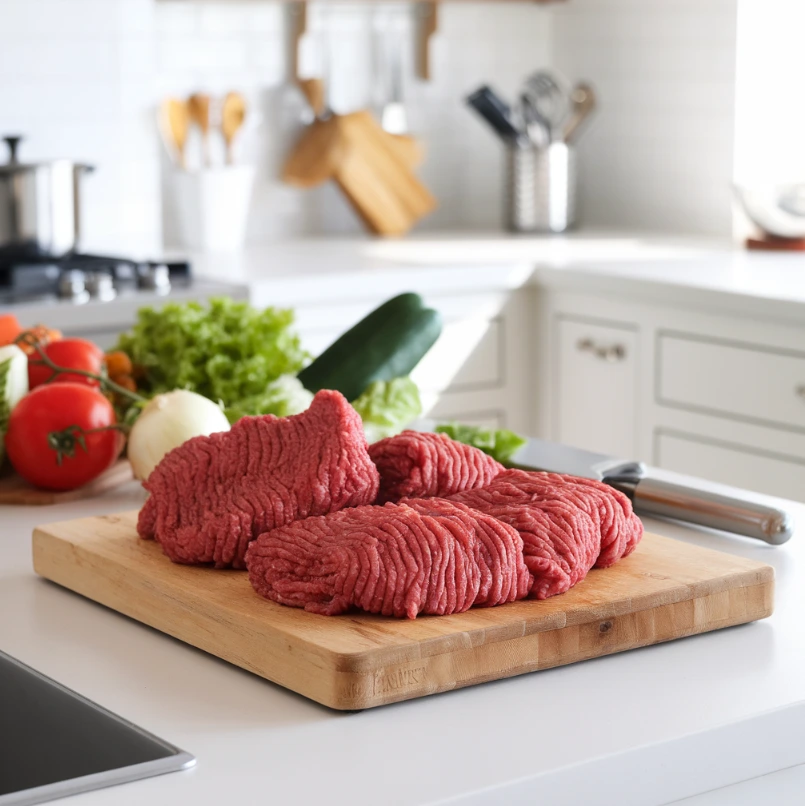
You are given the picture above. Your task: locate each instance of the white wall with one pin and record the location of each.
(82, 79)
(76, 78)
(659, 155)
(239, 45)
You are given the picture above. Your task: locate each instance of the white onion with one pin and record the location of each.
(166, 422)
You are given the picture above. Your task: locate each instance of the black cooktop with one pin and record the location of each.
(56, 743)
(78, 278)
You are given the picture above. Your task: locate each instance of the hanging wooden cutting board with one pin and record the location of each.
(15, 490)
(665, 590)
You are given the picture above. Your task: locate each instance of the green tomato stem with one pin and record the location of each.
(104, 381)
(64, 442)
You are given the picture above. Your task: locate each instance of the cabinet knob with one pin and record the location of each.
(800, 391)
(611, 353)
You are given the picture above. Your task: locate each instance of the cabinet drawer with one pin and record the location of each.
(743, 381)
(769, 473)
(594, 402)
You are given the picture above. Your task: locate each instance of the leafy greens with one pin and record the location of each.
(500, 444)
(226, 351)
(386, 407)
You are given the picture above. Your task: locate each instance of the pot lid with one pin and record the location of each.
(14, 166)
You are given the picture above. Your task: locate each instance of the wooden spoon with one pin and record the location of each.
(233, 114)
(198, 104)
(177, 119)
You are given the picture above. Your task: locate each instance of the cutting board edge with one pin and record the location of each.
(359, 680)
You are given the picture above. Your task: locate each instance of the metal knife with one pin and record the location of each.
(655, 497)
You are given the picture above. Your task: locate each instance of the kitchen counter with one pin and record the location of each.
(685, 270)
(644, 727)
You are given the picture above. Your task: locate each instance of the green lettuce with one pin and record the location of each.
(500, 444)
(282, 397)
(386, 407)
(226, 351)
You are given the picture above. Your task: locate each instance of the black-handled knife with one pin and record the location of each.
(656, 497)
(496, 112)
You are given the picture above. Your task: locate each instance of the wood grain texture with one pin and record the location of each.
(15, 490)
(665, 590)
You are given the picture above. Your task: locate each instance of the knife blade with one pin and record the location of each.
(659, 498)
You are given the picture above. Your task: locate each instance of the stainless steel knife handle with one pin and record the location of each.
(655, 497)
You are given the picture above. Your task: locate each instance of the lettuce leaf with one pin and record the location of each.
(387, 407)
(226, 351)
(282, 397)
(500, 444)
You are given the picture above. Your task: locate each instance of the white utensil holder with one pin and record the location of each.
(212, 206)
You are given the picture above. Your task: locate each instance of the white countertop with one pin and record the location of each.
(680, 270)
(644, 727)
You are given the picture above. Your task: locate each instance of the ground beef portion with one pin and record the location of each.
(398, 560)
(212, 495)
(420, 465)
(568, 524)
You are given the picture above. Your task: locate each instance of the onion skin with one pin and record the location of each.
(168, 421)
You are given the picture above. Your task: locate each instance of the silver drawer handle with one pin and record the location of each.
(612, 354)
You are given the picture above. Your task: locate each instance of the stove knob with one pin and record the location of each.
(101, 286)
(72, 286)
(155, 278)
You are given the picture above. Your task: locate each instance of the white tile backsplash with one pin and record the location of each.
(658, 154)
(83, 78)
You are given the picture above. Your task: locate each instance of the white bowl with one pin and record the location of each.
(778, 210)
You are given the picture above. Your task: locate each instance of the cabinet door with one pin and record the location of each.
(595, 393)
(738, 465)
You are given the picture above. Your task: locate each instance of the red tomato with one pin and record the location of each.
(70, 354)
(51, 409)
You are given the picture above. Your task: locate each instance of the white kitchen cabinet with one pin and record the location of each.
(698, 391)
(758, 470)
(596, 384)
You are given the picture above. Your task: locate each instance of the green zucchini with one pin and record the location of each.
(386, 344)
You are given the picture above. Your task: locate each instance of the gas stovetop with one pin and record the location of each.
(80, 278)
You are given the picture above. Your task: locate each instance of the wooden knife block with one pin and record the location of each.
(373, 168)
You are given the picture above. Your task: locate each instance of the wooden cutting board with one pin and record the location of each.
(15, 490)
(665, 590)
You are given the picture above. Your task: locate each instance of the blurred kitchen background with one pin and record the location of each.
(648, 330)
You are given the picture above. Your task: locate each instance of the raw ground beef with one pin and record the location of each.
(399, 560)
(420, 465)
(212, 495)
(568, 524)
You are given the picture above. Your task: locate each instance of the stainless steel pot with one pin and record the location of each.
(39, 205)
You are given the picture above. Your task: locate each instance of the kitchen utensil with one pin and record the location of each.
(550, 98)
(212, 207)
(378, 183)
(176, 125)
(198, 108)
(233, 113)
(666, 589)
(313, 89)
(537, 128)
(497, 114)
(778, 210)
(540, 188)
(655, 497)
(40, 204)
(393, 118)
(582, 104)
(316, 155)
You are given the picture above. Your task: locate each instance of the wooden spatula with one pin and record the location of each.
(233, 113)
(198, 104)
(176, 117)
